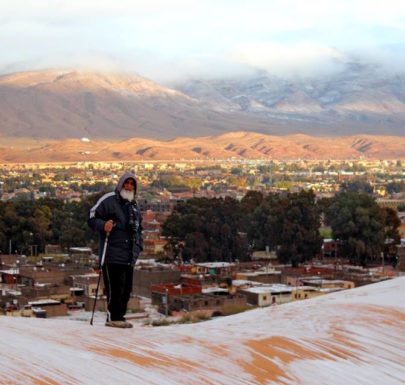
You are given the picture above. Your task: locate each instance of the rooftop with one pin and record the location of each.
(215, 264)
(270, 289)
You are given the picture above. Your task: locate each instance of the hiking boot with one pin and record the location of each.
(118, 324)
(128, 325)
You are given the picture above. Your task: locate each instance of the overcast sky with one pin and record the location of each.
(169, 40)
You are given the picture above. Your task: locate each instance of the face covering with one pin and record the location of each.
(127, 195)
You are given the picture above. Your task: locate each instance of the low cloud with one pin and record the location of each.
(302, 60)
(182, 39)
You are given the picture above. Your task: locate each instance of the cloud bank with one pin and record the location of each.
(168, 41)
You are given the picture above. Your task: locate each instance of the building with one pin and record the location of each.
(82, 256)
(212, 304)
(329, 248)
(219, 269)
(153, 244)
(53, 249)
(153, 247)
(267, 294)
(50, 273)
(327, 283)
(147, 275)
(261, 255)
(392, 203)
(58, 292)
(164, 293)
(266, 276)
(85, 284)
(52, 307)
(293, 275)
(179, 298)
(11, 260)
(204, 280)
(305, 292)
(9, 276)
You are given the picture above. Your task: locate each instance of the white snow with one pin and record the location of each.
(43, 302)
(275, 288)
(215, 264)
(353, 337)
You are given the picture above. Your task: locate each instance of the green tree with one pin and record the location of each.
(236, 171)
(391, 225)
(40, 223)
(358, 224)
(265, 223)
(25, 223)
(395, 187)
(207, 230)
(357, 185)
(288, 224)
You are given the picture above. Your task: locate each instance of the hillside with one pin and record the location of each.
(239, 145)
(352, 337)
(58, 104)
(73, 104)
(359, 99)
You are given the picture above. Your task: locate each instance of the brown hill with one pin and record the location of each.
(231, 145)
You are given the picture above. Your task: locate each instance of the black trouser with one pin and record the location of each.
(118, 287)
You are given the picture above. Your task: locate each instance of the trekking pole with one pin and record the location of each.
(99, 276)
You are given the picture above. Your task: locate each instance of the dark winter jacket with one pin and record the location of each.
(125, 240)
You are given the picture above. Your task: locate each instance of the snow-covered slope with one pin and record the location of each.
(352, 337)
(359, 99)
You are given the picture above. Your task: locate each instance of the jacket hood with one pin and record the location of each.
(124, 177)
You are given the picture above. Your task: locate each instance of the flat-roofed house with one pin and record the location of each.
(267, 294)
(52, 307)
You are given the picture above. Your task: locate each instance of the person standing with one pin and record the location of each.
(117, 214)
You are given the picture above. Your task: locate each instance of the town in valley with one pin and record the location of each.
(47, 272)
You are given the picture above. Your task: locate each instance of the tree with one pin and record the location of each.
(209, 229)
(265, 223)
(300, 240)
(15, 225)
(392, 236)
(45, 220)
(357, 224)
(395, 187)
(391, 225)
(251, 200)
(72, 236)
(195, 247)
(357, 185)
(288, 224)
(236, 171)
(40, 222)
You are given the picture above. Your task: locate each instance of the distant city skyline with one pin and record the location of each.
(182, 39)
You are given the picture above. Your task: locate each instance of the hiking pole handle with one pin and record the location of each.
(104, 250)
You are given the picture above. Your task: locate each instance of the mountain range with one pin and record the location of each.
(237, 145)
(58, 104)
(360, 99)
